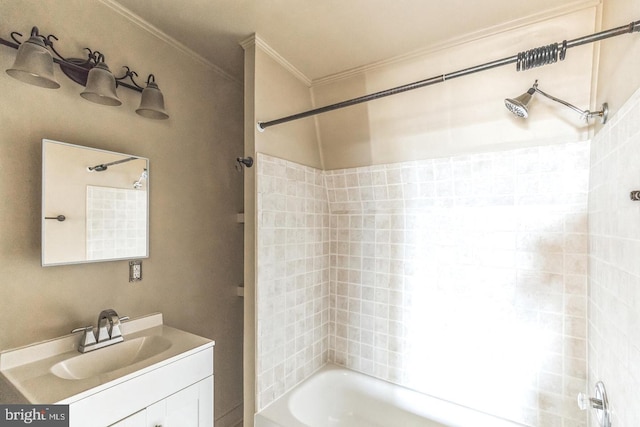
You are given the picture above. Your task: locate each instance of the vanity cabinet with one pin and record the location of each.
(191, 407)
(177, 394)
(157, 376)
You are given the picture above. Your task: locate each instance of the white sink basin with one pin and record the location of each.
(55, 372)
(112, 358)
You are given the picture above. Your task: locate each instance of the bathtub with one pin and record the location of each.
(338, 397)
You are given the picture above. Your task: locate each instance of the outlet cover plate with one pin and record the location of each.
(135, 270)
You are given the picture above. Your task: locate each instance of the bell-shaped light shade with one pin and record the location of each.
(101, 86)
(34, 63)
(152, 102)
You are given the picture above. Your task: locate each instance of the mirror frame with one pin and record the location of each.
(45, 210)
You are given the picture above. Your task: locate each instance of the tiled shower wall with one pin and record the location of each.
(614, 267)
(116, 223)
(462, 277)
(465, 278)
(292, 295)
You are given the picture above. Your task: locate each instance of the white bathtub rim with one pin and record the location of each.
(280, 414)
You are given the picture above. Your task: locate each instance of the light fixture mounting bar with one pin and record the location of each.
(614, 32)
(8, 43)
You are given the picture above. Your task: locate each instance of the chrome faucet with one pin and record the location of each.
(108, 332)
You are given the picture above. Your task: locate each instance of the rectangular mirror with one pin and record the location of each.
(95, 205)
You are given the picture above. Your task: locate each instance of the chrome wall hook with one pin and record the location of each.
(600, 403)
(243, 161)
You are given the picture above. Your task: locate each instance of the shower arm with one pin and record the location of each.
(538, 57)
(585, 114)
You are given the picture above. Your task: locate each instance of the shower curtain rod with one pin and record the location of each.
(103, 166)
(525, 60)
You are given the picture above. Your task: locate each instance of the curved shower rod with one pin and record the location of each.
(524, 60)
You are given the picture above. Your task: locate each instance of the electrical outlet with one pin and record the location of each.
(135, 271)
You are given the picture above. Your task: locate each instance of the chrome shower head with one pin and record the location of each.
(516, 107)
(519, 105)
(138, 184)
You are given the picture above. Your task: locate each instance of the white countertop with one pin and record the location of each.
(28, 378)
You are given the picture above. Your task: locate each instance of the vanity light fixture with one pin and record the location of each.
(34, 65)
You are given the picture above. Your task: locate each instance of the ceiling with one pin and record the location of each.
(325, 37)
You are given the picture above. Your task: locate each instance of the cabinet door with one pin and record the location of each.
(190, 407)
(139, 419)
(183, 408)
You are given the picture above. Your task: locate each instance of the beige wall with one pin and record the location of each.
(249, 338)
(463, 115)
(619, 61)
(195, 259)
(278, 93)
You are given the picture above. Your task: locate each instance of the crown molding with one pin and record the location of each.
(255, 40)
(467, 38)
(151, 29)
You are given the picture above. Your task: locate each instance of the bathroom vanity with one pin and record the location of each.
(158, 376)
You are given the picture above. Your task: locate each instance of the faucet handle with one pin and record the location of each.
(600, 403)
(88, 338)
(585, 402)
(115, 331)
